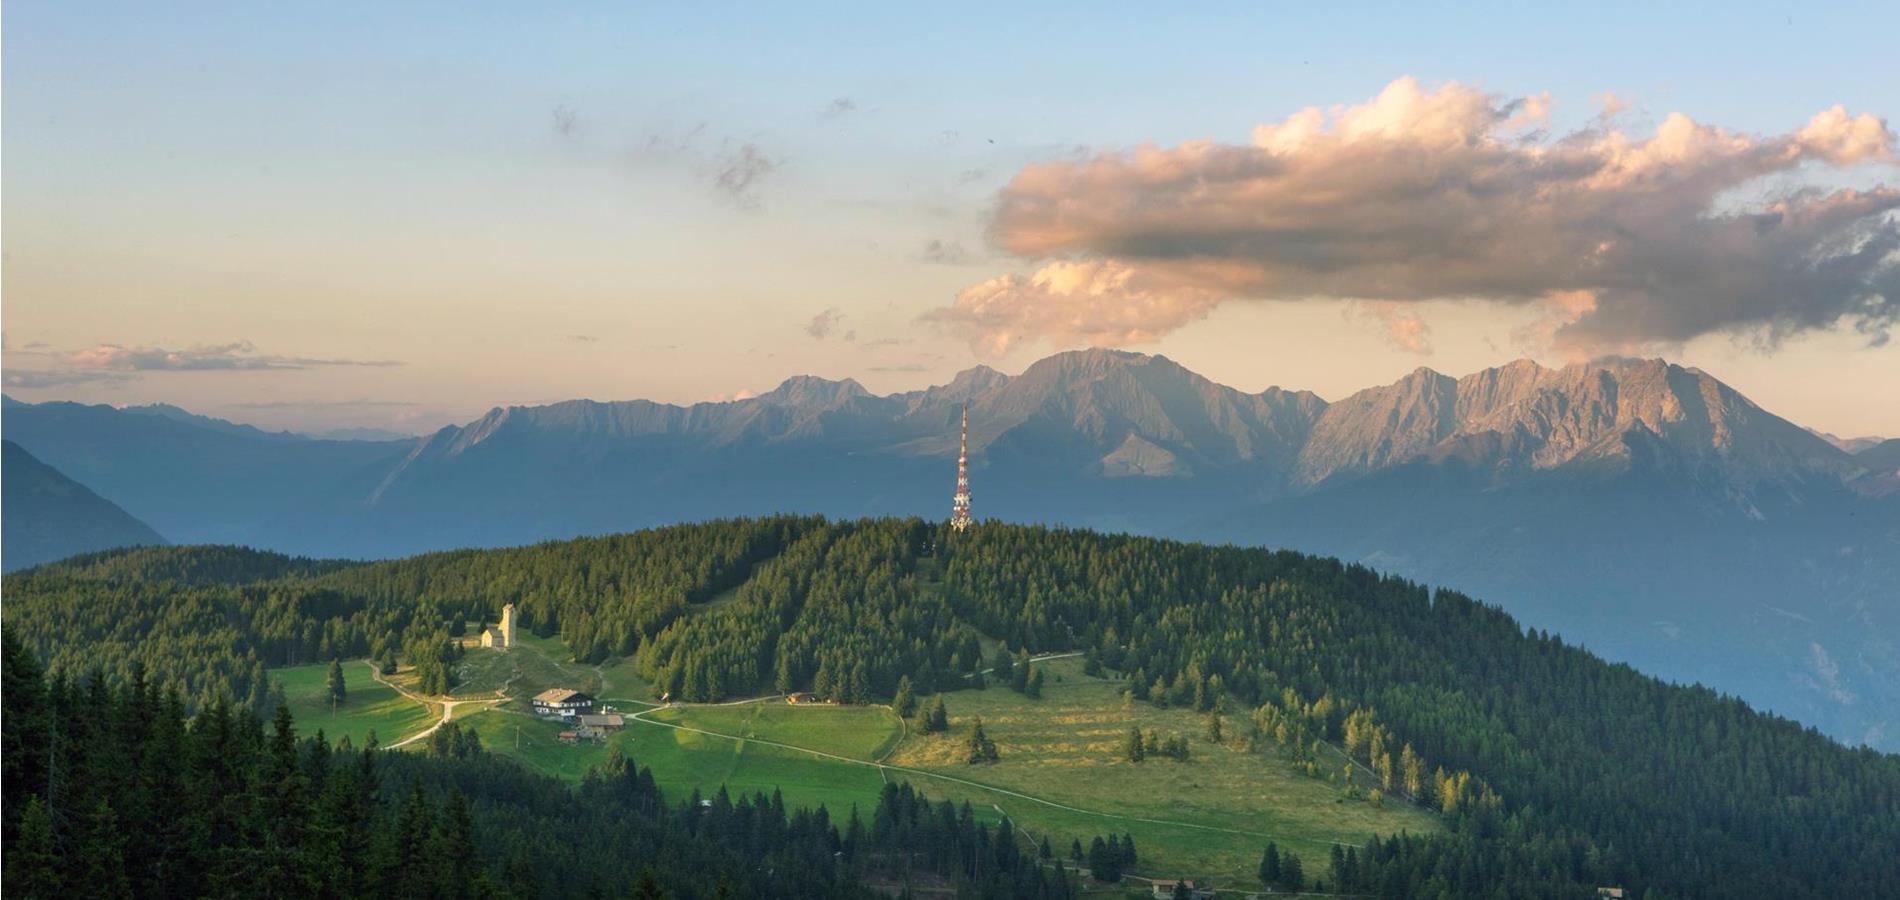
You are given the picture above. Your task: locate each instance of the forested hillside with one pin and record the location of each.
(1557, 772)
(133, 798)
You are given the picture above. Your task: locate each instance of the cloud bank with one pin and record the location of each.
(1423, 194)
(235, 356)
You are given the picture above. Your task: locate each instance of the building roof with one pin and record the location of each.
(559, 695)
(610, 720)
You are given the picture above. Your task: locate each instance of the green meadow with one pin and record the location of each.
(368, 705)
(1061, 773)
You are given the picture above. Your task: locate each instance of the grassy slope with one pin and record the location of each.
(1207, 817)
(1066, 748)
(369, 705)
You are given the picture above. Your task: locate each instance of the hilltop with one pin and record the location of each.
(1532, 754)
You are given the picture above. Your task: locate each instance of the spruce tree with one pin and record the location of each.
(338, 691)
(1270, 865)
(32, 866)
(905, 703)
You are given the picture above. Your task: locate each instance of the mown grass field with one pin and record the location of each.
(684, 760)
(369, 705)
(1221, 806)
(1061, 775)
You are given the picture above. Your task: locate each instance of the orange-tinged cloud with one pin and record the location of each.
(1095, 302)
(1451, 193)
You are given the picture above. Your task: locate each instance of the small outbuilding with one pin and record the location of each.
(1164, 889)
(599, 726)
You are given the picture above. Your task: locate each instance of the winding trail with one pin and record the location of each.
(448, 706)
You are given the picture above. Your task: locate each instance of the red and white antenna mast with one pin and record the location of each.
(960, 505)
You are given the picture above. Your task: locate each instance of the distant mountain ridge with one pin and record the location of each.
(1642, 507)
(1149, 417)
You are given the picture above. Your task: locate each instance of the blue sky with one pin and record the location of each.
(521, 203)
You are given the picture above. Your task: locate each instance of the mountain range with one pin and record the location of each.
(1645, 509)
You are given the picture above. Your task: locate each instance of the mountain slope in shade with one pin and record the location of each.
(1883, 457)
(1882, 462)
(196, 480)
(47, 516)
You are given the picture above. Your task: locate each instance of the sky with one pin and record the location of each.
(396, 216)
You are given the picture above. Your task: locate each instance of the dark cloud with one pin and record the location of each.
(824, 324)
(946, 252)
(902, 367)
(582, 338)
(741, 173)
(843, 106)
(565, 120)
(1417, 194)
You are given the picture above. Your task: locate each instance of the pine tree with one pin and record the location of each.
(32, 866)
(1270, 865)
(1099, 863)
(647, 886)
(1033, 687)
(1214, 728)
(338, 691)
(938, 718)
(905, 703)
(981, 748)
(1132, 745)
(1291, 874)
(452, 845)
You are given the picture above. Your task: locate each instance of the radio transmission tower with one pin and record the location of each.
(960, 505)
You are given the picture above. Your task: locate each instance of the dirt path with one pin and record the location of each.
(448, 705)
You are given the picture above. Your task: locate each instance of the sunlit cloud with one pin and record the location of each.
(1423, 194)
(1403, 328)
